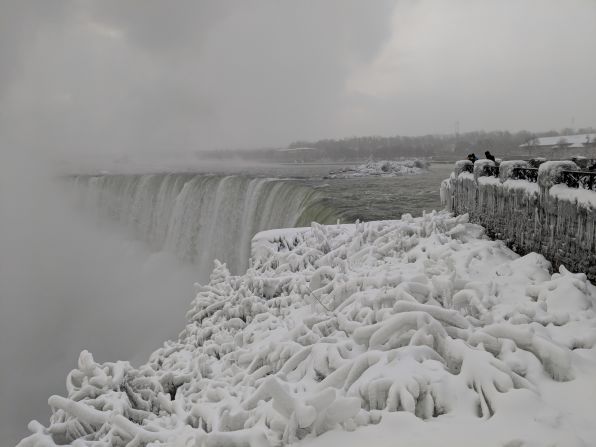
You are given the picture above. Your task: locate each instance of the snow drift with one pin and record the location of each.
(338, 327)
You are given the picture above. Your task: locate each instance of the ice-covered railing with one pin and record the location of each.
(528, 174)
(574, 178)
(579, 179)
(338, 327)
(492, 171)
(550, 209)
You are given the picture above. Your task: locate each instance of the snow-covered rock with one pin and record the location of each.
(383, 168)
(338, 327)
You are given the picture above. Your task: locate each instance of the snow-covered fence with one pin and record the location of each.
(554, 215)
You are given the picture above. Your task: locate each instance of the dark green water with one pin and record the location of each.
(380, 198)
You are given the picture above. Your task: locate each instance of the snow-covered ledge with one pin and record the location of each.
(546, 217)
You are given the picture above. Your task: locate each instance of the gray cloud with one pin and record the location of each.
(489, 64)
(108, 76)
(155, 76)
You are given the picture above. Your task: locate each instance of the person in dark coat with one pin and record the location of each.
(472, 157)
(489, 156)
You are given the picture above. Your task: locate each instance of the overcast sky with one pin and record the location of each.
(116, 76)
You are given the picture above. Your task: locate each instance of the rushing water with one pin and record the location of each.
(382, 198)
(200, 217)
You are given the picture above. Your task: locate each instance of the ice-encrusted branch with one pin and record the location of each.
(427, 317)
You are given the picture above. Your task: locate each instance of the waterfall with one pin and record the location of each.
(200, 217)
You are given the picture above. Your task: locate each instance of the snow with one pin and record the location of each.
(529, 188)
(549, 171)
(414, 332)
(572, 140)
(506, 168)
(479, 167)
(383, 168)
(460, 165)
(489, 180)
(582, 197)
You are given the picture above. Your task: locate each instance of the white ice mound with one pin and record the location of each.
(383, 168)
(336, 327)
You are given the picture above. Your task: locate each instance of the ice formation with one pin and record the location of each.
(383, 168)
(334, 328)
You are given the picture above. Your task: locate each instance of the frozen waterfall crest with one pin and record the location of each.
(428, 318)
(201, 217)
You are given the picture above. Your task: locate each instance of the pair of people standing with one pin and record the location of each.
(472, 157)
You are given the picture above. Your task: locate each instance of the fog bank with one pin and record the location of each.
(67, 284)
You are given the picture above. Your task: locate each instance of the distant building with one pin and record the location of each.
(562, 146)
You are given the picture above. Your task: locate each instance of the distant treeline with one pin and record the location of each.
(449, 147)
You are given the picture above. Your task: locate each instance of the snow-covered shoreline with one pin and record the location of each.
(376, 327)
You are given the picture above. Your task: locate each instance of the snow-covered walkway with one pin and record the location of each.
(412, 332)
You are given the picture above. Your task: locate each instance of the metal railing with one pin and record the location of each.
(528, 174)
(574, 179)
(488, 170)
(579, 179)
(491, 171)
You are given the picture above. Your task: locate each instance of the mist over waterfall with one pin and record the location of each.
(200, 217)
